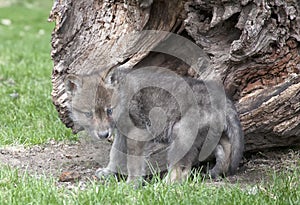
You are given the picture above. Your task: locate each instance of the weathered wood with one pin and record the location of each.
(253, 47)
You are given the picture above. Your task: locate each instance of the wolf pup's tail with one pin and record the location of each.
(235, 135)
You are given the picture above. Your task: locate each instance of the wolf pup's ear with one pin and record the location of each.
(114, 78)
(72, 84)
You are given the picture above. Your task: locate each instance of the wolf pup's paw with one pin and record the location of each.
(136, 182)
(103, 173)
(145, 3)
(215, 175)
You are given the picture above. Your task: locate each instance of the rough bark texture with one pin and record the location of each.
(253, 47)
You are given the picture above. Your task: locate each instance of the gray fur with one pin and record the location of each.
(144, 113)
(138, 101)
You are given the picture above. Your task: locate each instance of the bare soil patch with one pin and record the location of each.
(67, 161)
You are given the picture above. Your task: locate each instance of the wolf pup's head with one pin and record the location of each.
(89, 104)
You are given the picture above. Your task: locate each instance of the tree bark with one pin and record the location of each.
(253, 48)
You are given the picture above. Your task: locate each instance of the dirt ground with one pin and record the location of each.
(77, 161)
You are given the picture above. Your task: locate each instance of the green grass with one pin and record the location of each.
(18, 188)
(30, 118)
(25, 69)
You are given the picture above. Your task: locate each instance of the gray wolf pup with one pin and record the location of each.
(153, 105)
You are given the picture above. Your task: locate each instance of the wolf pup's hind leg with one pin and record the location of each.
(229, 151)
(222, 154)
(235, 136)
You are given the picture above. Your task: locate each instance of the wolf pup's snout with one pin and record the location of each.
(103, 134)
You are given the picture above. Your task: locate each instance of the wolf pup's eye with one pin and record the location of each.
(109, 111)
(88, 114)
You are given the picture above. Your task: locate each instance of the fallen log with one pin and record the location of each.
(253, 49)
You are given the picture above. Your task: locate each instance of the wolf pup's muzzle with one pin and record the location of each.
(104, 134)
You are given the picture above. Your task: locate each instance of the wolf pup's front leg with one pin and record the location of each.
(117, 159)
(136, 159)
